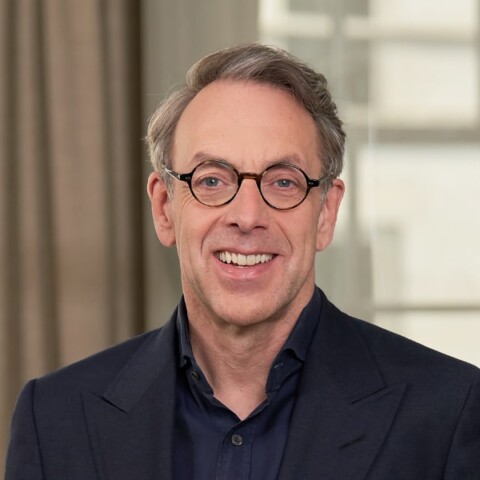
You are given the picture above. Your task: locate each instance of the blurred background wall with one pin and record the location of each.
(80, 266)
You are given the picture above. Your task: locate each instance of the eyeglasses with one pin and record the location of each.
(215, 183)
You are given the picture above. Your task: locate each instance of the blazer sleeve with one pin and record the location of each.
(463, 461)
(23, 455)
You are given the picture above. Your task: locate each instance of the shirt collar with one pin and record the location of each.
(297, 342)
(185, 350)
(302, 333)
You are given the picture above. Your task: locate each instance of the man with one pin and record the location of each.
(257, 375)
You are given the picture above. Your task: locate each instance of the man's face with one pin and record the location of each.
(251, 126)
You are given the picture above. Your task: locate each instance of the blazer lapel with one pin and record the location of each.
(131, 425)
(343, 409)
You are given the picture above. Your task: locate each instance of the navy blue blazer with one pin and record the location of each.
(371, 405)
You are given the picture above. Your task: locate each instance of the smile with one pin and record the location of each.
(244, 260)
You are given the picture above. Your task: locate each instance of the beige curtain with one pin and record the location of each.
(70, 184)
(80, 266)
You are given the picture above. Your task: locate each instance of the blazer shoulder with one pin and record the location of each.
(412, 358)
(404, 359)
(95, 372)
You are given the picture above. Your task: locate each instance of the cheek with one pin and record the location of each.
(308, 241)
(192, 227)
(301, 234)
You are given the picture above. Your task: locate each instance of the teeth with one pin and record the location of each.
(244, 260)
(241, 260)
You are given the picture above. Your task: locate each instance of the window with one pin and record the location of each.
(405, 76)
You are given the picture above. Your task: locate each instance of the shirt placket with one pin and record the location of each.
(235, 453)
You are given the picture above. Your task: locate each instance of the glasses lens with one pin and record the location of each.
(214, 183)
(284, 186)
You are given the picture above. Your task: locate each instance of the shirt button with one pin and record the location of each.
(237, 439)
(194, 375)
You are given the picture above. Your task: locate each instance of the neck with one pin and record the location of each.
(236, 359)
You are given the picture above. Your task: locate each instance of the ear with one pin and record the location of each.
(161, 209)
(328, 216)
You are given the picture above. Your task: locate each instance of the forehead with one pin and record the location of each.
(245, 122)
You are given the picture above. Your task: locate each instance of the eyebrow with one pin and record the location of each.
(292, 159)
(200, 157)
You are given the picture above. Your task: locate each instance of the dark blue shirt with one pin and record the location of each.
(211, 442)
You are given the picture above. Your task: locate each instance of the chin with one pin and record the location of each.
(245, 313)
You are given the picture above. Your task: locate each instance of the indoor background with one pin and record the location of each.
(80, 266)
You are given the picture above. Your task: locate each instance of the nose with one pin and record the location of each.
(248, 210)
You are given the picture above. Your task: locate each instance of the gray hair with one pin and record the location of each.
(262, 64)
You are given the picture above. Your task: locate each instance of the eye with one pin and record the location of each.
(209, 182)
(210, 176)
(284, 183)
(212, 180)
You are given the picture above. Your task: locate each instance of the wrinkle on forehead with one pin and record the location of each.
(248, 125)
